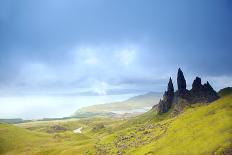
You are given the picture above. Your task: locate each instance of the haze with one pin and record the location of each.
(58, 56)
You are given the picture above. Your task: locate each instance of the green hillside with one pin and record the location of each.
(225, 91)
(199, 130)
(16, 140)
(131, 105)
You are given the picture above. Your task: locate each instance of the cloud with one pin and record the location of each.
(36, 73)
(126, 56)
(87, 55)
(92, 48)
(99, 69)
(102, 65)
(85, 67)
(100, 87)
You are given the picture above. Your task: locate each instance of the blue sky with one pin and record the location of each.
(109, 47)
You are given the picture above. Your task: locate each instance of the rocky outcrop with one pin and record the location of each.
(198, 94)
(166, 103)
(202, 93)
(181, 82)
(196, 86)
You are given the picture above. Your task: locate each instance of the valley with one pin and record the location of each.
(115, 77)
(200, 129)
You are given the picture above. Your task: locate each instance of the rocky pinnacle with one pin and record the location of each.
(181, 82)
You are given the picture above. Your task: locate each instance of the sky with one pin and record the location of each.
(66, 54)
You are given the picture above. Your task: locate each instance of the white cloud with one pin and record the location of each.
(36, 73)
(87, 67)
(91, 61)
(86, 55)
(100, 87)
(126, 56)
(89, 55)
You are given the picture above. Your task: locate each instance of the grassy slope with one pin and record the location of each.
(141, 101)
(199, 130)
(16, 140)
(225, 91)
(203, 129)
(42, 138)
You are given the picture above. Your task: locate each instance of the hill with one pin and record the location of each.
(12, 121)
(225, 91)
(137, 104)
(42, 139)
(200, 93)
(202, 129)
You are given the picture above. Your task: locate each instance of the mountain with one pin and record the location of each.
(137, 104)
(12, 121)
(183, 97)
(202, 127)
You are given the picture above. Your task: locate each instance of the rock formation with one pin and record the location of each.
(181, 82)
(202, 93)
(198, 94)
(168, 97)
(196, 86)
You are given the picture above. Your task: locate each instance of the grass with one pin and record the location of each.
(200, 129)
(225, 91)
(205, 129)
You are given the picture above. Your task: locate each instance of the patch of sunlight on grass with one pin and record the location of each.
(204, 130)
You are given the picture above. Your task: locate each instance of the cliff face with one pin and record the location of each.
(202, 93)
(181, 82)
(166, 103)
(198, 94)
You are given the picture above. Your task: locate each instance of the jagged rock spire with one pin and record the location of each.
(208, 86)
(202, 93)
(198, 94)
(196, 86)
(181, 82)
(166, 103)
(170, 85)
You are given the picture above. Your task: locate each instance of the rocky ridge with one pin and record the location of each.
(198, 94)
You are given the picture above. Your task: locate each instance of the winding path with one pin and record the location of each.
(78, 130)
